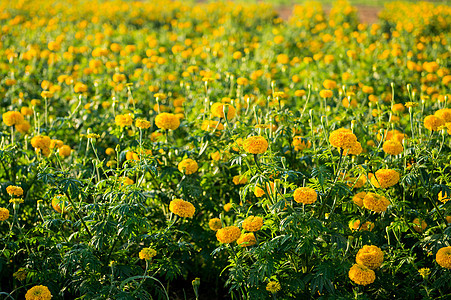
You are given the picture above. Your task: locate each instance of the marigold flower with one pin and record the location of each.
(142, 124)
(444, 114)
(80, 87)
(370, 256)
(4, 214)
(424, 272)
(357, 183)
(300, 143)
(375, 202)
(398, 108)
(433, 123)
(384, 178)
(64, 151)
(228, 234)
(38, 292)
(126, 180)
(305, 195)
(355, 224)
(20, 274)
(326, 93)
(443, 197)
(252, 223)
(188, 166)
(239, 179)
(392, 147)
(23, 127)
(167, 121)
(443, 257)
(361, 275)
(182, 208)
(14, 190)
(11, 118)
(215, 224)
(61, 204)
(356, 149)
(342, 138)
(329, 84)
(41, 142)
(147, 253)
(227, 206)
(246, 240)
(123, 120)
(218, 109)
(258, 192)
(110, 151)
(255, 145)
(273, 287)
(358, 198)
(419, 225)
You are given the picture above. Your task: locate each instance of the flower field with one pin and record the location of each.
(185, 150)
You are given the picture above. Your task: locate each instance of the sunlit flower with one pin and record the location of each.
(38, 292)
(255, 145)
(188, 166)
(433, 123)
(370, 256)
(123, 120)
(228, 234)
(273, 287)
(252, 223)
(361, 275)
(4, 214)
(218, 109)
(443, 257)
(11, 118)
(305, 195)
(182, 208)
(375, 202)
(342, 138)
(14, 190)
(215, 224)
(147, 253)
(246, 240)
(419, 225)
(167, 121)
(384, 178)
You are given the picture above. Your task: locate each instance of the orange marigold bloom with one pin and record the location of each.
(300, 144)
(228, 234)
(255, 145)
(370, 256)
(342, 138)
(443, 257)
(4, 214)
(215, 224)
(23, 127)
(444, 114)
(361, 275)
(142, 123)
(123, 120)
(14, 190)
(209, 125)
(443, 197)
(38, 292)
(11, 118)
(392, 147)
(385, 178)
(355, 224)
(375, 202)
(167, 121)
(419, 225)
(147, 253)
(358, 198)
(253, 223)
(326, 93)
(246, 240)
(305, 195)
(41, 142)
(182, 208)
(239, 179)
(188, 166)
(218, 109)
(433, 123)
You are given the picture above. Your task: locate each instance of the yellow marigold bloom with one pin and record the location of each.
(38, 292)
(246, 240)
(237, 55)
(188, 166)
(239, 179)
(342, 138)
(375, 202)
(14, 190)
(126, 180)
(218, 109)
(299, 93)
(370, 256)
(23, 127)
(11, 118)
(109, 151)
(147, 253)
(305, 195)
(443, 197)
(255, 145)
(64, 151)
(141, 123)
(411, 104)
(253, 223)
(398, 108)
(367, 89)
(283, 59)
(215, 224)
(329, 84)
(356, 149)
(258, 192)
(300, 144)
(46, 94)
(384, 178)
(443, 257)
(355, 225)
(433, 123)
(182, 208)
(361, 274)
(273, 287)
(80, 87)
(123, 120)
(227, 206)
(444, 114)
(61, 204)
(326, 93)
(358, 199)
(392, 147)
(20, 274)
(167, 121)
(41, 142)
(424, 272)
(4, 214)
(228, 234)
(419, 225)
(357, 183)
(26, 111)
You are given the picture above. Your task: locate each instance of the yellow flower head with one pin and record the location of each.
(11, 118)
(142, 124)
(358, 198)
(252, 223)
(218, 110)
(215, 224)
(246, 240)
(384, 178)
(361, 275)
(167, 121)
(370, 256)
(444, 114)
(228, 234)
(300, 144)
(392, 147)
(4, 214)
(123, 120)
(239, 179)
(342, 138)
(255, 145)
(273, 287)
(188, 166)
(147, 253)
(443, 257)
(419, 225)
(433, 123)
(14, 190)
(375, 202)
(305, 195)
(61, 204)
(64, 151)
(38, 292)
(326, 93)
(355, 224)
(424, 272)
(443, 197)
(182, 208)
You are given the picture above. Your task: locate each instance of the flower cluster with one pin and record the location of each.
(182, 208)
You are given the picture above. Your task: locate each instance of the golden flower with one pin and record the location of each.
(4, 214)
(218, 109)
(239, 179)
(443, 197)
(20, 274)
(384, 178)
(424, 272)
(356, 149)
(126, 180)
(23, 127)
(367, 89)
(444, 114)
(41, 142)
(358, 198)
(142, 124)
(411, 104)
(299, 93)
(258, 192)
(342, 138)
(11, 118)
(64, 151)
(392, 147)
(215, 224)
(398, 108)
(237, 55)
(255, 145)
(147, 253)
(227, 206)
(216, 156)
(433, 123)
(355, 224)
(375, 202)
(38, 292)
(109, 151)
(361, 274)
(188, 166)
(123, 120)
(246, 240)
(61, 204)
(443, 257)
(167, 121)
(80, 87)
(300, 143)
(329, 84)
(14, 190)
(182, 208)
(253, 223)
(370, 256)
(46, 94)
(419, 225)
(305, 195)
(26, 111)
(273, 287)
(357, 183)
(326, 93)
(228, 234)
